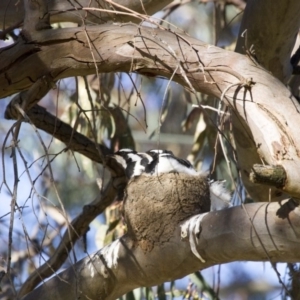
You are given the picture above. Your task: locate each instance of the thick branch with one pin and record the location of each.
(70, 11)
(265, 115)
(271, 28)
(271, 44)
(37, 16)
(225, 236)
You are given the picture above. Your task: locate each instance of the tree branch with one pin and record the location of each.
(27, 99)
(272, 44)
(123, 266)
(78, 227)
(261, 130)
(62, 131)
(67, 11)
(36, 17)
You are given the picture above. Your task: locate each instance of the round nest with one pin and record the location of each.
(155, 205)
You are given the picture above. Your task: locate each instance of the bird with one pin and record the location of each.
(164, 161)
(159, 161)
(133, 162)
(138, 167)
(152, 162)
(124, 156)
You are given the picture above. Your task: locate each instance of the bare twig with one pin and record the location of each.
(62, 131)
(78, 227)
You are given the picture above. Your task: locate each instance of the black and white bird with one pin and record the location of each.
(154, 162)
(165, 161)
(133, 162)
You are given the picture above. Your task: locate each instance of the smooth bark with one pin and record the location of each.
(269, 29)
(267, 34)
(263, 108)
(251, 233)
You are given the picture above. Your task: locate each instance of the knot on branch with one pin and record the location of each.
(155, 205)
(268, 175)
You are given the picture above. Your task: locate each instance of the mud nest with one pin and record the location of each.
(155, 205)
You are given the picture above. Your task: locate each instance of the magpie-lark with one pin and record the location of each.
(154, 162)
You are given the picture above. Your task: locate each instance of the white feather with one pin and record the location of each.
(133, 157)
(138, 167)
(121, 160)
(126, 150)
(169, 164)
(219, 196)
